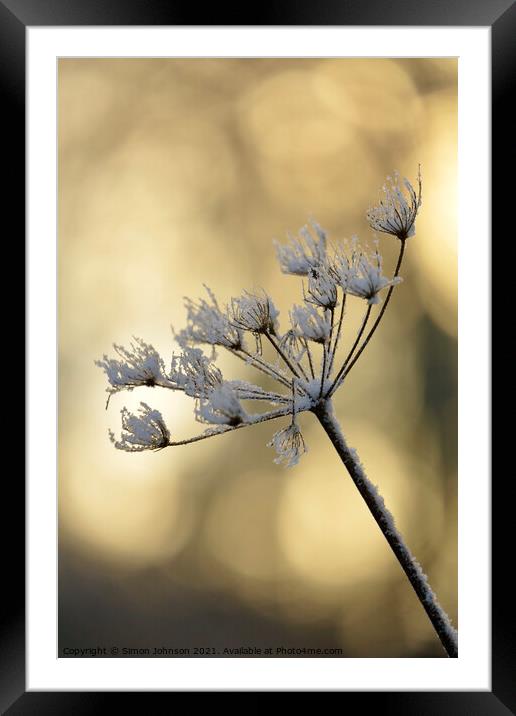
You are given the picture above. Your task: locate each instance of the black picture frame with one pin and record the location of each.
(15, 17)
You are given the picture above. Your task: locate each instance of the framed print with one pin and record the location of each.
(339, 539)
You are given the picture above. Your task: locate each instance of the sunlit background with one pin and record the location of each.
(174, 173)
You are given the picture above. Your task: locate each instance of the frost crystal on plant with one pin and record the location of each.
(396, 213)
(292, 344)
(322, 288)
(207, 323)
(222, 407)
(302, 254)
(309, 323)
(343, 265)
(146, 431)
(195, 373)
(367, 280)
(139, 365)
(254, 313)
(289, 445)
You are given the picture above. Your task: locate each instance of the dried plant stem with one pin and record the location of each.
(254, 420)
(339, 375)
(332, 321)
(440, 620)
(259, 365)
(309, 354)
(337, 335)
(323, 372)
(277, 348)
(382, 311)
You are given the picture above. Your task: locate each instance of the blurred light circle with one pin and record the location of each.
(305, 151)
(380, 91)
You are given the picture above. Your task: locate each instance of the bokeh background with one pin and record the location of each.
(179, 172)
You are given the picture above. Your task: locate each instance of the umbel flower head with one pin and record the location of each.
(221, 407)
(344, 262)
(302, 362)
(289, 445)
(195, 373)
(254, 313)
(396, 213)
(136, 366)
(292, 344)
(308, 322)
(366, 280)
(301, 255)
(146, 431)
(322, 288)
(207, 323)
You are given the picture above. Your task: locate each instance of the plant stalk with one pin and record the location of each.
(440, 620)
(382, 311)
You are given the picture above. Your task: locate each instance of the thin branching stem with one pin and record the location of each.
(337, 380)
(276, 346)
(332, 314)
(254, 420)
(258, 395)
(293, 399)
(380, 315)
(323, 372)
(260, 365)
(310, 362)
(299, 365)
(337, 335)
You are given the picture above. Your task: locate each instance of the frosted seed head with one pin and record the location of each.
(396, 213)
(208, 324)
(322, 288)
(195, 373)
(254, 312)
(222, 407)
(145, 431)
(289, 445)
(292, 345)
(309, 323)
(367, 280)
(138, 365)
(303, 253)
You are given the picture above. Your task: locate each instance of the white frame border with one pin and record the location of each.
(471, 671)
